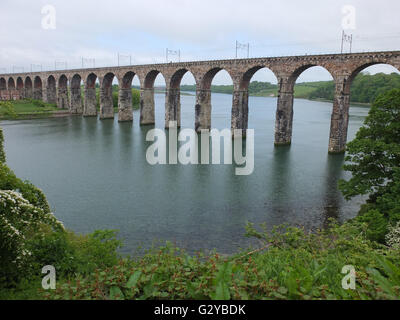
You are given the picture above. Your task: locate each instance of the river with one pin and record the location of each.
(96, 176)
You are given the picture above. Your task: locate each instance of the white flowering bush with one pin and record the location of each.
(19, 219)
(393, 236)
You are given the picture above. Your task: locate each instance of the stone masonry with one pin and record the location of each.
(342, 67)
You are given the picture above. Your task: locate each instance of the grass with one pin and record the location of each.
(26, 109)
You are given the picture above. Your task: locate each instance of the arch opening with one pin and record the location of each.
(174, 97)
(260, 89)
(106, 96)
(11, 84)
(20, 88)
(127, 97)
(28, 88)
(37, 88)
(76, 99)
(217, 85)
(3, 89)
(62, 94)
(313, 83)
(382, 76)
(51, 91)
(152, 98)
(90, 100)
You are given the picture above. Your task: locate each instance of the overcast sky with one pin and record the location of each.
(205, 29)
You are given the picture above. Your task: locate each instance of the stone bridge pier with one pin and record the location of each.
(62, 93)
(240, 112)
(340, 116)
(28, 92)
(106, 99)
(147, 106)
(173, 106)
(203, 110)
(50, 93)
(284, 112)
(90, 105)
(75, 103)
(37, 89)
(125, 112)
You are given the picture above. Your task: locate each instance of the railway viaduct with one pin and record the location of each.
(63, 87)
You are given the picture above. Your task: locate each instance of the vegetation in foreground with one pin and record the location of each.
(290, 262)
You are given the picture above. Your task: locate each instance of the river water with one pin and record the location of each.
(96, 176)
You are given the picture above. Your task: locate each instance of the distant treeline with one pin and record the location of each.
(364, 89)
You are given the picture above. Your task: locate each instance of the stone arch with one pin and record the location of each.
(51, 91)
(76, 105)
(173, 97)
(175, 80)
(90, 101)
(62, 92)
(3, 84)
(150, 78)
(106, 97)
(125, 112)
(3, 89)
(11, 84)
(208, 77)
(284, 112)
(37, 88)
(248, 75)
(28, 88)
(240, 110)
(147, 104)
(203, 100)
(20, 88)
(354, 72)
(298, 71)
(341, 105)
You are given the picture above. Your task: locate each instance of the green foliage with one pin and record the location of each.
(115, 88)
(377, 224)
(2, 153)
(27, 108)
(374, 162)
(7, 110)
(291, 264)
(73, 254)
(326, 91)
(8, 181)
(19, 219)
(37, 103)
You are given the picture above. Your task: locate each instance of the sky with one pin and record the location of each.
(58, 33)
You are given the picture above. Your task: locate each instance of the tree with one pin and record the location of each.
(374, 161)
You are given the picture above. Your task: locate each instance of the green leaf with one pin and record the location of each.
(116, 293)
(223, 282)
(134, 278)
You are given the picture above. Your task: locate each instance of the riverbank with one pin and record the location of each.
(34, 109)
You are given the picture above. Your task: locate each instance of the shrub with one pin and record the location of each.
(393, 236)
(19, 219)
(290, 264)
(8, 181)
(7, 109)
